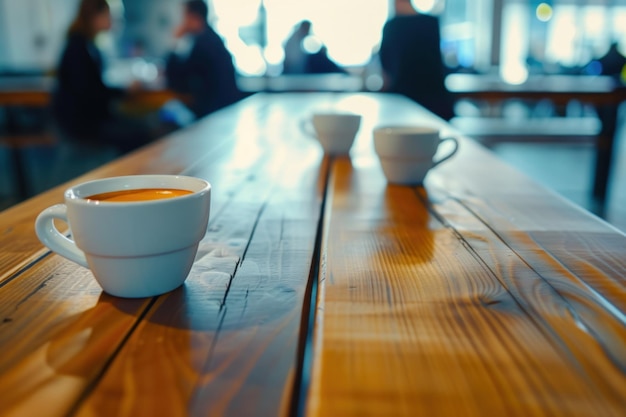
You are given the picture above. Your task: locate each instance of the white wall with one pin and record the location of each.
(32, 32)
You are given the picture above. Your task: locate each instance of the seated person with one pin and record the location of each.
(204, 72)
(303, 59)
(82, 104)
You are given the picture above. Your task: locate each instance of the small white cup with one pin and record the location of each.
(334, 131)
(406, 152)
(134, 249)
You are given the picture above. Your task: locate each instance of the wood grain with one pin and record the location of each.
(412, 320)
(231, 348)
(57, 332)
(230, 334)
(486, 294)
(482, 294)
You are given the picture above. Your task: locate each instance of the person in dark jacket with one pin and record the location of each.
(410, 56)
(203, 72)
(613, 62)
(83, 106)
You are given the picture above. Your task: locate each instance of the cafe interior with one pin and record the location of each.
(510, 40)
(535, 196)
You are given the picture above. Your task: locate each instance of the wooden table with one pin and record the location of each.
(35, 91)
(321, 291)
(604, 92)
(303, 83)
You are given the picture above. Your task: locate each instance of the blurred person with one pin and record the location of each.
(83, 106)
(295, 55)
(319, 63)
(300, 59)
(613, 62)
(201, 67)
(411, 59)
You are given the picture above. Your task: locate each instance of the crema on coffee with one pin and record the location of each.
(142, 194)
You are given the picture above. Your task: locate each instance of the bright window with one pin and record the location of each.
(255, 32)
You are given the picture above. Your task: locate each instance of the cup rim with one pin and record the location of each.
(70, 193)
(407, 129)
(331, 113)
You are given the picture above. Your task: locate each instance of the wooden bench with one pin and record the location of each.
(16, 143)
(70, 158)
(490, 130)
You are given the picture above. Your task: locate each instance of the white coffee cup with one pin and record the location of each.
(334, 131)
(134, 249)
(406, 152)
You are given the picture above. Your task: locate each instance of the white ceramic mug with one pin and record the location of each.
(334, 131)
(406, 152)
(137, 248)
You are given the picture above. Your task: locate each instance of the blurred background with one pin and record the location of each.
(516, 36)
(511, 39)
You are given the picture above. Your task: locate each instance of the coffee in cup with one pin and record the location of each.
(406, 152)
(138, 234)
(334, 131)
(142, 194)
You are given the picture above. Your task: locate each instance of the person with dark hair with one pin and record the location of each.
(411, 59)
(82, 104)
(204, 70)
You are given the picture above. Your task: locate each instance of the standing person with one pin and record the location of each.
(613, 62)
(82, 105)
(204, 71)
(411, 59)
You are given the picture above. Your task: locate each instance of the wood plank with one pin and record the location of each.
(412, 321)
(340, 383)
(227, 342)
(545, 229)
(57, 331)
(572, 257)
(64, 294)
(54, 288)
(581, 322)
(49, 289)
(267, 187)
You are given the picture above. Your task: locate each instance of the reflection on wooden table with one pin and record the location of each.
(480, 294)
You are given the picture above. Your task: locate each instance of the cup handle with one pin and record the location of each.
(50, 236)
(445, 158)
(307, 128)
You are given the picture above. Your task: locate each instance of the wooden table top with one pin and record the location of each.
(481, 294)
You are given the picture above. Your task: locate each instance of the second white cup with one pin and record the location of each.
(406, 152)
(334, 131)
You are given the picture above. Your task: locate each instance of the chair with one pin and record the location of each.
(22, 129)
(76, 156)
